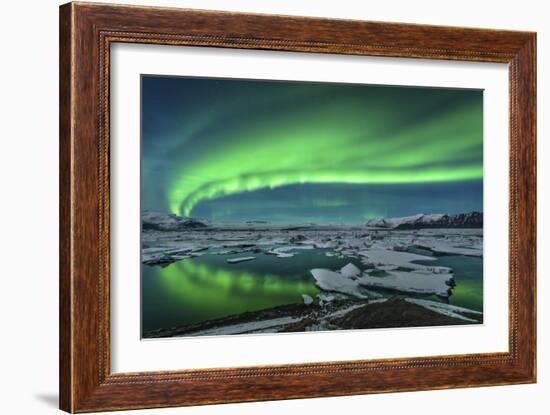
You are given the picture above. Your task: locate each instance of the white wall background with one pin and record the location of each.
(28, 208)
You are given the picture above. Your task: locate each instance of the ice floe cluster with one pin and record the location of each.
(382, 247)
(380, 257)
(399, 275)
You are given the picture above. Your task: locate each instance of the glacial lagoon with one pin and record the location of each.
(201, 283)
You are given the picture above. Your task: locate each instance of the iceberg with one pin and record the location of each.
(307, 299)
(350, 271)
(390, 260)
(285, 251)
(413, 282)
(328, 280)
(241, 259)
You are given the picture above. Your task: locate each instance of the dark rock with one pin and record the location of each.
(395, 313)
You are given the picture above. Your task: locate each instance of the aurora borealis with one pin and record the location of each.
(236, 150)
(287, 175)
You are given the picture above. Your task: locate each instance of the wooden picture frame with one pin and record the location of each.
(86, 33)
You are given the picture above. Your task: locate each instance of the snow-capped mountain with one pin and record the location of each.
(169, 222)
(437, 220)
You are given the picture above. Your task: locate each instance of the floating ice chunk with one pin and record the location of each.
(284, 255)
(285, 251)
(389, 260)
(350, 271)
(292, 248)
(325, 298)
(333, 281)
(307, 299)
(445, 309)
(164, 255)
(414, 281)
(440, 247)
(226, 252)
(388, 256)
(180, 257)
(241, 259)
(324, 245)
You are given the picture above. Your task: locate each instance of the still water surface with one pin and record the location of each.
(207, 287)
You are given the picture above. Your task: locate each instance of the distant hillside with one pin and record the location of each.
(422, 221)
(160, 221)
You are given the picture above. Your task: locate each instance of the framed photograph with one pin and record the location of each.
(259, 207)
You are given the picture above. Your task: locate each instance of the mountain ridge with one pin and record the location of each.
(160, 221)
(472, 219)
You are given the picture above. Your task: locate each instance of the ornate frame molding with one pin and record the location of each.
(86, 33)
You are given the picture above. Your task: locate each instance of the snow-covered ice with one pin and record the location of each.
(388, 260)
(334, 281)
(307, 299)
(445, 309)
(286, 251)
(350, 271)
(249, 327)
(419, 282)
(241, 259)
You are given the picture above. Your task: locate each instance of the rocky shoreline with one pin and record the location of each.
(339, 314)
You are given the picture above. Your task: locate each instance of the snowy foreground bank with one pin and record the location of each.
(332, 315)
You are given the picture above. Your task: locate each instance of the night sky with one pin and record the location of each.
(289, 152)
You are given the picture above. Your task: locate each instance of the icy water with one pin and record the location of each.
(207, 287)
(468, 275)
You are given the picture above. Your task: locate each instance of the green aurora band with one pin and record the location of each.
(253, 135)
